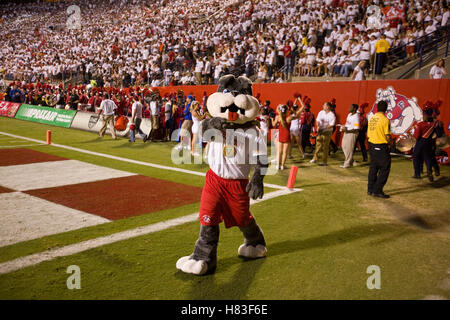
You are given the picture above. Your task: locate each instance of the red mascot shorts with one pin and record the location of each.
(224, 200)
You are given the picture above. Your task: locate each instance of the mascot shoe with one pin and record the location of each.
(189, 265)
(252, 252)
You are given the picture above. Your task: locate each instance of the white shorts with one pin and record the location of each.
(295, 131)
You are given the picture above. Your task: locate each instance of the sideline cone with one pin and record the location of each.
(49, 136)
(292, 176)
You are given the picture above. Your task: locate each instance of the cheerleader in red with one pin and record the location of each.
(284, 135)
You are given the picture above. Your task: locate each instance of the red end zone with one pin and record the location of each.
(121, 197)
(11, 157)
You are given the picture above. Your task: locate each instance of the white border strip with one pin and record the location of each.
(34, 259)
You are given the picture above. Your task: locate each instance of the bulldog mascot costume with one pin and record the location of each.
(235, 144)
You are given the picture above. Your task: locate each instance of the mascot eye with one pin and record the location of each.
(233, 92)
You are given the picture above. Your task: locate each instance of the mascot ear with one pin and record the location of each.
(227, 82)
(245, 85)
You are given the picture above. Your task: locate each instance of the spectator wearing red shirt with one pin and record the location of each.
(287, 52)
(83, 100)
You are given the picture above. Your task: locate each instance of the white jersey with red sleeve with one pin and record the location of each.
(233, 159)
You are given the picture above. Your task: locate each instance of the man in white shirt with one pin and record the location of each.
(365, 51)
(355, 53)
(107, 110)
(390, 35)
(351, 130)
(326, 120)
(136, 119)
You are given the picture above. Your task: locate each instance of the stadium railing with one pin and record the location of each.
(424, 47)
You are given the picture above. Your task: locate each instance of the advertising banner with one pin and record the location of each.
(52, 116)
(92, 122)
(8, 109)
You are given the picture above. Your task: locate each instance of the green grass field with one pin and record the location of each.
(320, 240)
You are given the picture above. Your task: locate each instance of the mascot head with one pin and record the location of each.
(233, 100)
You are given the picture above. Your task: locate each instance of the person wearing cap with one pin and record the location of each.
(379, 136)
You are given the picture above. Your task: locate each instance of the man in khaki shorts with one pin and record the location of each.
(107, 110)
(325, 122)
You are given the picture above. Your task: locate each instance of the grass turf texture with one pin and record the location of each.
(320, 241)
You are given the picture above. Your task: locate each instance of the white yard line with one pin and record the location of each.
(52, 254)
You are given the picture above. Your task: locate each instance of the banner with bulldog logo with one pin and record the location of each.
(403, 112)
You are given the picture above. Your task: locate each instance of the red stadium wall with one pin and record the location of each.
(345, 93)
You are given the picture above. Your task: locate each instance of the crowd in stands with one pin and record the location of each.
(166, 42)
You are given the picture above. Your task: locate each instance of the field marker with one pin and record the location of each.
(34, 259)
(49, 137)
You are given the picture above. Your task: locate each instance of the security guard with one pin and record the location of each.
(379, 137)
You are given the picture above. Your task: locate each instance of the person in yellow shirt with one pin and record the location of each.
(379, 137)
(382, 46)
